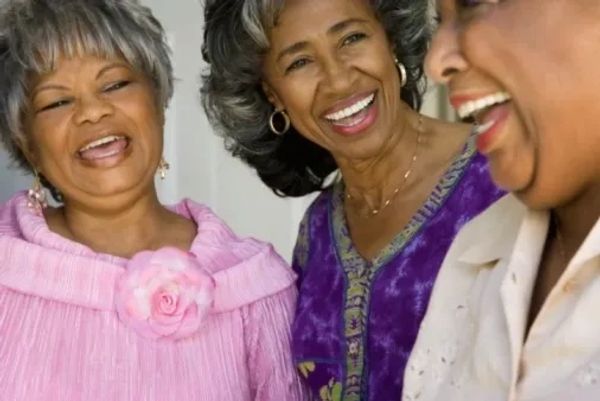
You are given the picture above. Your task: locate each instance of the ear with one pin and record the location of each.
(272, 96)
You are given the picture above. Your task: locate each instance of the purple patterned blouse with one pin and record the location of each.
(357, 320)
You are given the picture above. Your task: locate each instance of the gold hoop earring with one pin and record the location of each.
(286, 122)
(402, 70)
(36, 196)
(163, 167)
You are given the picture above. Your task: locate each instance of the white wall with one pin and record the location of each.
(11, 179)
(200, 167)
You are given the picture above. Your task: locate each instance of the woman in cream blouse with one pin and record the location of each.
(514, 313)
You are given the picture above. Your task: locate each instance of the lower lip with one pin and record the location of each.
(365, 123)
(486, 139)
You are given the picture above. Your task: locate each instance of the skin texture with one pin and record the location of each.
(546, 149)
(345, 53)
(82, 100)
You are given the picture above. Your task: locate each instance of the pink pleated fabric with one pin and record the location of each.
(61, 339)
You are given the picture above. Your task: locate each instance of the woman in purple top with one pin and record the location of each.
(304, 88)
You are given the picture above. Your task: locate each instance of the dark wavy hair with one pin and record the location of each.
(235, 42)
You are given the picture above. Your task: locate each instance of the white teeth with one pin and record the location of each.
(480, 129)
(351, 110)
(468, 109)
(100, 142)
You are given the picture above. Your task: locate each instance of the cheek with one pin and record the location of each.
(48, 144)
(299, 103)
(566, 168)
(513, 165)
(513, 171)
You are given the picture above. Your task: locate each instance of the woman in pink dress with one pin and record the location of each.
(110, 295)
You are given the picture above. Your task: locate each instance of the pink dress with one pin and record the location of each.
(62, 340)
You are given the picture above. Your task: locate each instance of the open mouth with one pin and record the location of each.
(104, 147)
(353, 114)
(477, 110)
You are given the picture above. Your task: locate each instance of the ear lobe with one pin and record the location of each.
(272, 96)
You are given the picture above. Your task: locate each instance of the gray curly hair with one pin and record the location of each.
(34, 34)
(235, 41)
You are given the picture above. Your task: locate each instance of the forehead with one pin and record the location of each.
(78, 67)
(301, 17)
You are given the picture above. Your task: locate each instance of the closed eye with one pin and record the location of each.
(297, 64)
(55, 105)
(117, 85)
(468, 10)
(353, 38)
(468, 3)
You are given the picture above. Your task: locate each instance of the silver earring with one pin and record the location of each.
(402, 71)
(286, 122)
(36, 196)
(163, 167)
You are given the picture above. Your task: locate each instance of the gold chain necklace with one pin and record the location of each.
(375, 211)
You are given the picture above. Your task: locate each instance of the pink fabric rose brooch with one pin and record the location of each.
(164, 294)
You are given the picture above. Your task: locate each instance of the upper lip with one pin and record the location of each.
(349, 101)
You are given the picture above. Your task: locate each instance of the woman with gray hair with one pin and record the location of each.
(303, 88)
(111, 295)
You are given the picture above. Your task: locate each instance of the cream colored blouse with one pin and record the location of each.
(471, 344)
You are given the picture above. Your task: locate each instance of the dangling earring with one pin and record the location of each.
(286, 122)
(402, 70)
(163, 167)
(36, 196)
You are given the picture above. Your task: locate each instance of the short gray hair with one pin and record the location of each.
(235, 41)
(34, 34)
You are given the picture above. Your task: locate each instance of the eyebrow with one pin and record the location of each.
(43, 88)
(109, 67)
(336, 28)
(51, 86)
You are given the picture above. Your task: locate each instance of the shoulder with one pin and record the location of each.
(468, 271)
(9, 214)
(319, 208)
(321, 204)
(315, 214)
(476, 188)
(245, 269)
(503, 215)
(477, 244)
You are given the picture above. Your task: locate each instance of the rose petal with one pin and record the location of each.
(164, 330)
(165, 293)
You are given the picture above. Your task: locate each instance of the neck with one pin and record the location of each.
(576, 219)
(371, 181)
(121, 231)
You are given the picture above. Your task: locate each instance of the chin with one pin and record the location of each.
(362, 150)
(118, 188)
(510, 175)
(536, 199)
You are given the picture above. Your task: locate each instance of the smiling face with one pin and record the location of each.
(526, 71)
(94, 129)
(331, 67)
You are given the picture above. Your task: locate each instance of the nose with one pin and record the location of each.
(92, 108)
(444, 58)
(337, 75)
